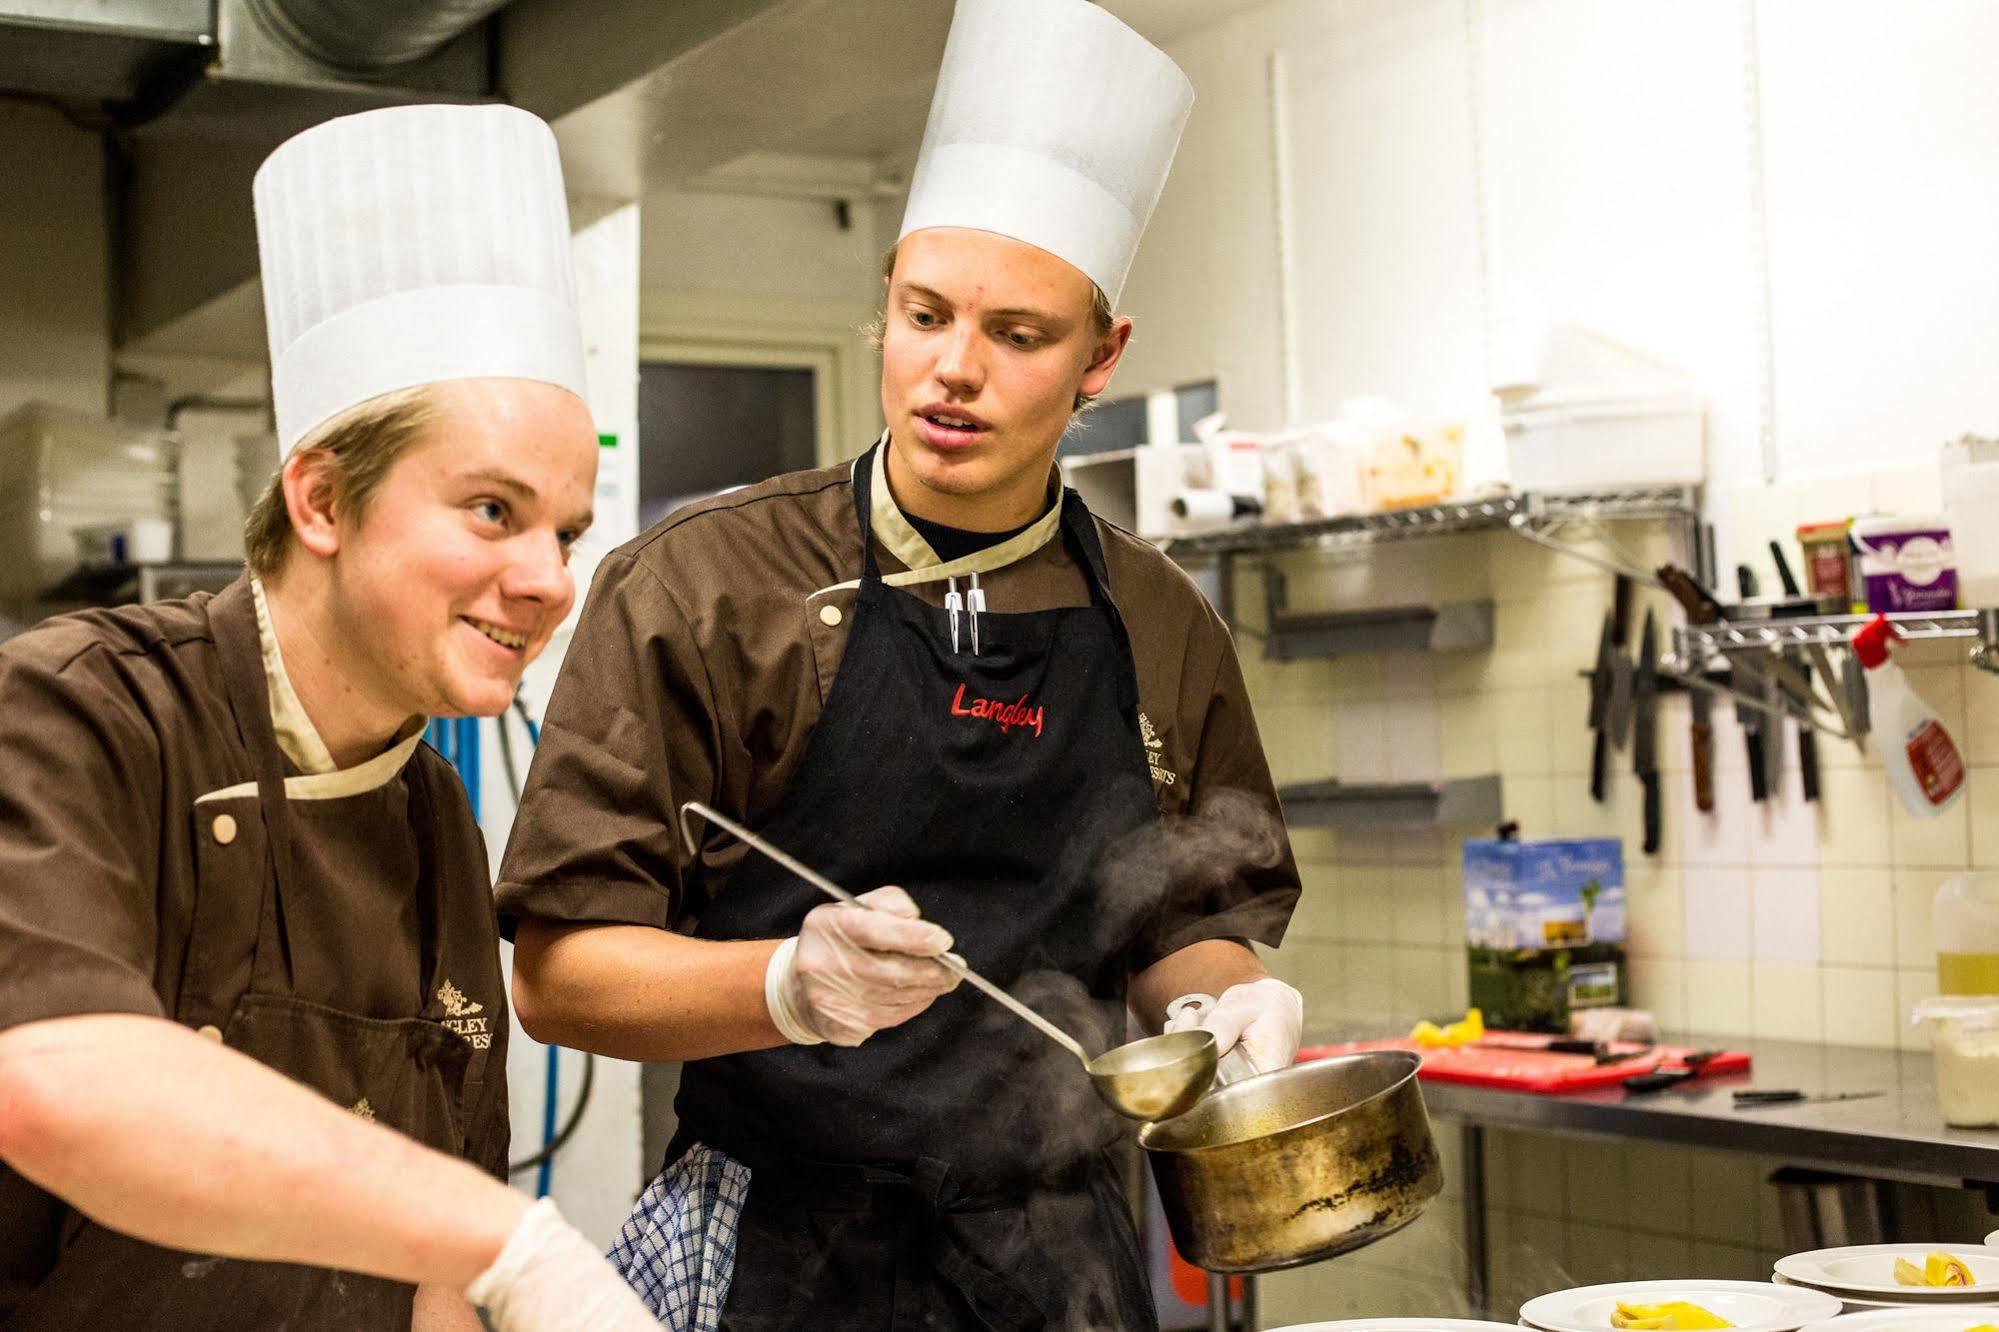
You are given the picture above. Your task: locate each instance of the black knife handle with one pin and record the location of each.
(1650, 1082)
(1599, 759)
(1651, 782)
(1808, 761)
(1759, 786)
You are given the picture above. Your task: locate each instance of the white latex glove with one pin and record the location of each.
(851, 973)
(548, 1278)
(1265, 1015)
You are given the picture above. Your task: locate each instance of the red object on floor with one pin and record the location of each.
(1520, 1061)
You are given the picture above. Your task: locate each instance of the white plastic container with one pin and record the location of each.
(1923, 763)
(1964, 920)
(1602, 445)
(1971, 504)
(1964, 1040)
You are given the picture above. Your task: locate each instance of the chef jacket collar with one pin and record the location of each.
(892, 528)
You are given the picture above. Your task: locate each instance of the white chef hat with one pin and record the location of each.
(1055, 124)
(409, 246)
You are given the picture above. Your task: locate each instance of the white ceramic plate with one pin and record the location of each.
(1869, 1269)
(1912, 1320)
(1855, 1303)
(1752, 1306)
(1399, 1325)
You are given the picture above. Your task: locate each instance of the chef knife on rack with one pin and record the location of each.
(1645, 734)
(1748, 716)
(1701, 609)
(1808, 740)
(1599, 707)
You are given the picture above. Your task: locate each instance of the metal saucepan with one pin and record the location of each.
(1296, 1165)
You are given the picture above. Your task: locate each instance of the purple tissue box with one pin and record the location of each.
(1910, 567)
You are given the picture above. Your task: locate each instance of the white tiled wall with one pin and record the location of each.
(1788, 920)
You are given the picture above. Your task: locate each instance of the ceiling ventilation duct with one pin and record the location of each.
(368, 37)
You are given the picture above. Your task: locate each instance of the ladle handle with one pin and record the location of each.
(1236, 1064)
(952, 962)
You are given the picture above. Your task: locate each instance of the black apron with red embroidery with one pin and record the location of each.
(950, 1172)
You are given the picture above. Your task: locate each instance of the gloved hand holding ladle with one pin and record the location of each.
(1150, 1079)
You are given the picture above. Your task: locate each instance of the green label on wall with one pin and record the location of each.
(607, 441)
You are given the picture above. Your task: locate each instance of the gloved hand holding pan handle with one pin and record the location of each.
(1257, 1025)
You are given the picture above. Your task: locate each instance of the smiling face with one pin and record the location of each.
(456, 573)
(987, 343)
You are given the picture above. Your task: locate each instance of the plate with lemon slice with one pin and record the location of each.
(1679, 1306)
(1900, 1273)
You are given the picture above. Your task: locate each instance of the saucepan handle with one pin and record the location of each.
(1236, 1064)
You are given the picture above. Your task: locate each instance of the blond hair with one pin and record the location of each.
(362, 443)
(1102, 320)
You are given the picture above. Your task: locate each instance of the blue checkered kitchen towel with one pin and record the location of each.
(678, 1247)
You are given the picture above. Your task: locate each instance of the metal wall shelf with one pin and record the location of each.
(1456, 627)
(1446, 519)
(1697, 641)
(1461, 801)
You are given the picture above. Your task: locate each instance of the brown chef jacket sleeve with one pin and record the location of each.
(630, 732)
(80, 792)
(1235, 877)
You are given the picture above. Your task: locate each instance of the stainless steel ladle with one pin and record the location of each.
(1150, 1079)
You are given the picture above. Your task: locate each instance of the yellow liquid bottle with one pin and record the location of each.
(1968, 973)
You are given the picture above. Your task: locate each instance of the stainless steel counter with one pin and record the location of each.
(1898, 1135)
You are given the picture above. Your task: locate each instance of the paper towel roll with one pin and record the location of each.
(1212, 506)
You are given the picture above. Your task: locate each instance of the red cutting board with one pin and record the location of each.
(1519, 1061)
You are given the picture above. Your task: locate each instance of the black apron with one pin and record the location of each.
(413, 1073)
(951, 1172)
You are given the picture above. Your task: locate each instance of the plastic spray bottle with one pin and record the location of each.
(1923, 762)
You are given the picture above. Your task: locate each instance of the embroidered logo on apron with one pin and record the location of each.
(458, 1016)
(363, 1109)
(1161, 774)
(1006, 716)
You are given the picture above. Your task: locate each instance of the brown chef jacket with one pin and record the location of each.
(127, 786)
(709, 644)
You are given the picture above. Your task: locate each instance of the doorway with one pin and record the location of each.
(710, 427)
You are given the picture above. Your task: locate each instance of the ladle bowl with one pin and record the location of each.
(1157, 1077)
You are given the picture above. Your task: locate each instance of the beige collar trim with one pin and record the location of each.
(299, 740)
(903, 541)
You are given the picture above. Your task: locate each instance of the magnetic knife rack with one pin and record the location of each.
(1700, 651)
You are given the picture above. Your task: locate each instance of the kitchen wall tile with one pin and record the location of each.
(1369, 901)
(1320, 844)
(1459, 569)
(1521, 634)
(1725, 1199)
(1307, 680)
(1857, 917)
(1405, 673)
(1943, 688)
(1298, 740)
(1654, 915)
(1660, 985)
(1979, 740)
(1785, 906)
(1718, 998)
(1530, 801)
(1619, 814)
(1915, 892)
(1916, 488)
(1599, 1253)
(1569, 739)
(1354, 677)
(1912, 986)
(1718, 913)
(1523, 721)
(1596, 1182)
(1860, 1007)
(1661, 1257)
(1368, 846)
(1360, 741)
(1432, 847)
(1943, 841)
(1783, 830)
(1420, 916)
(1661, 1197)
(1729, 1262)
(1369, 994)
(1467, 735)
(1788, 1003)
(1982, 795)
(1719, 836)
(1317, 915)
(1853, 816)
(1422, 988)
